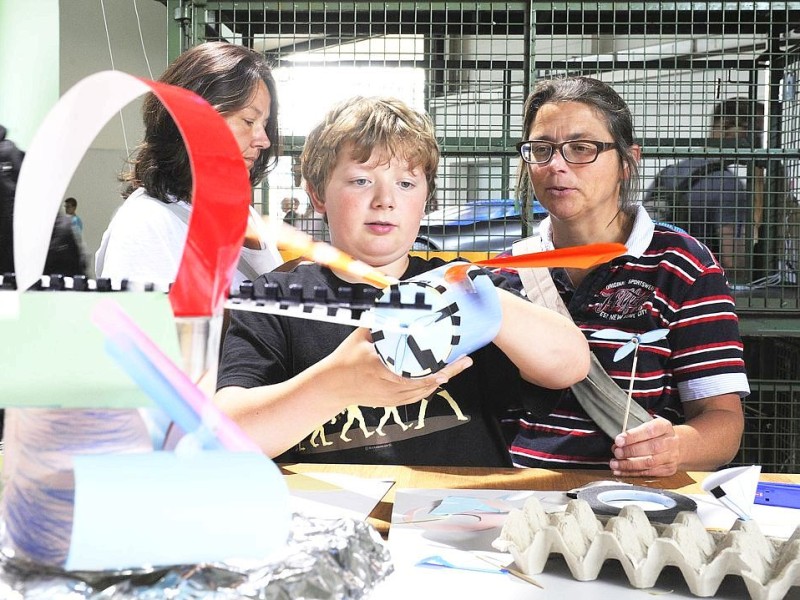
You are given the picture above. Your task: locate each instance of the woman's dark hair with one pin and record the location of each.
(608, 104)
(227, 77)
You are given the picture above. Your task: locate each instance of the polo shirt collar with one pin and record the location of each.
(637, 242)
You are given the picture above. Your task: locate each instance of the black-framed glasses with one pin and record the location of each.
(576, 152)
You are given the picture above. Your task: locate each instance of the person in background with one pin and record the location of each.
(298, 386)
(145, 239)
(710, 197)
(579, 159)
(290, 207)
(64, 255)
(10, 163)
(71, 208)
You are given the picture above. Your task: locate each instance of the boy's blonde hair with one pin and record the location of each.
(361, 125)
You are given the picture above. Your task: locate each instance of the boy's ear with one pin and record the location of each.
(316, 202)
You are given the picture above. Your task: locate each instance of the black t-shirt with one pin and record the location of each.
(457, 425)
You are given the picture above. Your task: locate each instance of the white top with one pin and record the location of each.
(145, 239)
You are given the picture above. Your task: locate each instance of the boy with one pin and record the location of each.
(299, 387)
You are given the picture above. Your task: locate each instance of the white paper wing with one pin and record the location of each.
(612, 334)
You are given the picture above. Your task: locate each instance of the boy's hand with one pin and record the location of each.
(358, 376)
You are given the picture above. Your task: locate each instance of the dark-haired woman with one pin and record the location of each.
(145, 239)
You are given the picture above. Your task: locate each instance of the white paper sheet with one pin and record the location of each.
(336, 495)
(134, 510)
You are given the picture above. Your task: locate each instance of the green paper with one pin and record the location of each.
(53, 356)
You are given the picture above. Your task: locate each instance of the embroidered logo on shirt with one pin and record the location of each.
(623, 299)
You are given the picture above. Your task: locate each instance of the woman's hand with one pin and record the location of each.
(651, 449)
(709, 438)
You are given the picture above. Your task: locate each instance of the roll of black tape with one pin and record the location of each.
(600, 499)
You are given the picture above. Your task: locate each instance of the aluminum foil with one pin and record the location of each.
(324, 559)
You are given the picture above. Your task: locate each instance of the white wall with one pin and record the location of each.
(46, 46)
(28, 65)
(84, 49)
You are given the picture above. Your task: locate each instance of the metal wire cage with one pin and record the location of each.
(772, 413)
(471, 66)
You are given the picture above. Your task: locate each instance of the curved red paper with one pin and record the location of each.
(221, 196)
(221, 183)
(576, 257)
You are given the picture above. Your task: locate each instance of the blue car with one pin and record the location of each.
(476, 226)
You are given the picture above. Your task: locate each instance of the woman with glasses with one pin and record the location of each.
(579, 159)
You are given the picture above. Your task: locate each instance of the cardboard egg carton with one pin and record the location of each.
(768, 566)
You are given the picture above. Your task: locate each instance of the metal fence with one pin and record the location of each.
(471, 65)
(772, 412)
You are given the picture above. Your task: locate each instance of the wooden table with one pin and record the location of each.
(499, 479)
